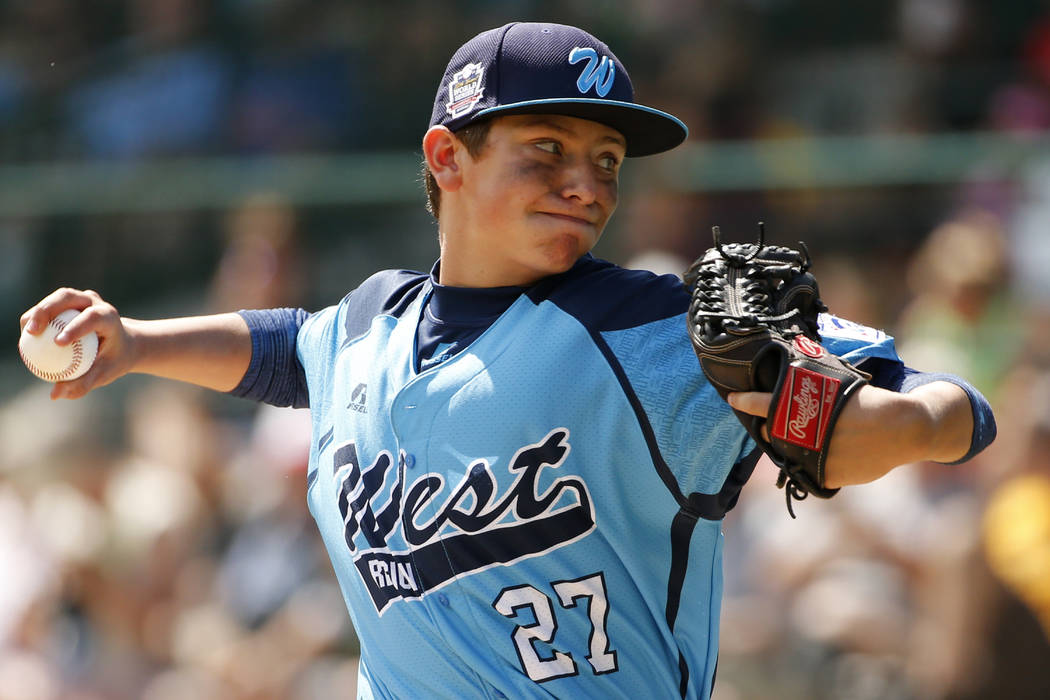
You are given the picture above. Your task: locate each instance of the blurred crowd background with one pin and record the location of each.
(154, 538)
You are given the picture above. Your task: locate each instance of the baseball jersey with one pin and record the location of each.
(523, 500)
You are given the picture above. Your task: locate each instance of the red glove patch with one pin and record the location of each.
(804, 411)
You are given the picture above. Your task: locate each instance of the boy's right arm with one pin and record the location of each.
(210, 351)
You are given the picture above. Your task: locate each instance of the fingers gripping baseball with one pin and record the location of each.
(114, 358)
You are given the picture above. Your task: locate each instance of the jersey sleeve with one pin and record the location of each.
(274, 374)
(855, 342)
(318, 343)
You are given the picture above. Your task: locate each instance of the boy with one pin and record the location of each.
(518, 469)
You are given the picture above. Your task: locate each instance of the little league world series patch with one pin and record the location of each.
(465, 90)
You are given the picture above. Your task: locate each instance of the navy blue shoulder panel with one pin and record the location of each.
(606, 297)
(388, 292)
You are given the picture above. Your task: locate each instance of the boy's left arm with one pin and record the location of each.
(923, 417)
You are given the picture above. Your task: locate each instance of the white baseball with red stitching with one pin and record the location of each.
(58, 363)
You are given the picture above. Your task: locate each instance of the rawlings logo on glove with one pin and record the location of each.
(808, 396)
(753, 326)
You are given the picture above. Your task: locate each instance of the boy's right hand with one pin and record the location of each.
(116, 355)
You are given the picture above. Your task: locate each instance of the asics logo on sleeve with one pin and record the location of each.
(454, 531)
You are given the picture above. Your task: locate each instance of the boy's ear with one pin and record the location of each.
(442, 151)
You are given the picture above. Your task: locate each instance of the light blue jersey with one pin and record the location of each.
(539, 513)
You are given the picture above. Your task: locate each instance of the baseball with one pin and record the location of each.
(58, 363)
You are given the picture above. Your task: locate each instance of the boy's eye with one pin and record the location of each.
(549, 146)
(608, 163)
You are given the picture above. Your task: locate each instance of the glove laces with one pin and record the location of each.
(793, 491)
(751, 306)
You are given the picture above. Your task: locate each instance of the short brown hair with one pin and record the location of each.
(474, 137)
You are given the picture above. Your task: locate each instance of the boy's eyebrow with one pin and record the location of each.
(550, 124)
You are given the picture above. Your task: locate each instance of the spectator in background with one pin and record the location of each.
(43, 48)
(122, 595)
(1017, 521)
(867, 597)
(12, 90)
(299, 89)
(164, 90)
(875, 594)
(961, 317)
(1015, 539)
(661, 229)
(261, 265)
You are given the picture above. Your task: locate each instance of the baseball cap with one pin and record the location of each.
(537, 68)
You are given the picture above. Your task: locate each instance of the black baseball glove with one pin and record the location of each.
(753, 325)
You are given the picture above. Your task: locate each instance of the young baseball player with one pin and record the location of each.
(518, 468)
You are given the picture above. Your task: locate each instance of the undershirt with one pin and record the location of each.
(454, 317)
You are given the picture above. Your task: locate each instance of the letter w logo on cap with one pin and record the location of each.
(598, 73)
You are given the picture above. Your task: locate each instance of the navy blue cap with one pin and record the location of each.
(531, 68)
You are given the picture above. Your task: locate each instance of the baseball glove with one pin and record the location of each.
(753, 324)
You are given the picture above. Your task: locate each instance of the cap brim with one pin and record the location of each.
(646, 130)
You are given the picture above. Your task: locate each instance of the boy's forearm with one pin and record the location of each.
(210, 351)
(949, 422)
(881, 429)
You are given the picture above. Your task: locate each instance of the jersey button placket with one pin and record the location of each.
(405, 419)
